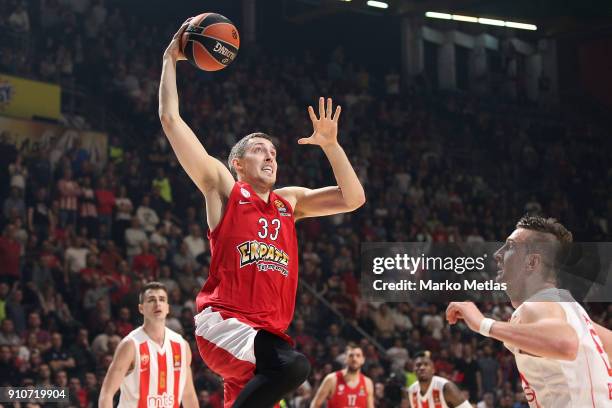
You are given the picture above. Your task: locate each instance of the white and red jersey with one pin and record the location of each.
(254, 267)
(433, 398)
(585, 382)
(160, 372)
(345, 396)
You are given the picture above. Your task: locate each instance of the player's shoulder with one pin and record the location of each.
(291, 194)
(331, 378)
(413, 387)
(174, 336)
(531, 312)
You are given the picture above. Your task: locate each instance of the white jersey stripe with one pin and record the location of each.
(231, 335)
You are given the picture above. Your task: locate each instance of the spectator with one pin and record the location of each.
(123, 216)
(19, 21)
(145, 263)
(134, 237)
(19, 174)
(195, 242)
(83, 356)
(8, 335)
(57, 356)
(147, 216)
(14, 205)
(69, 191)
(105, 199)
(10, 254)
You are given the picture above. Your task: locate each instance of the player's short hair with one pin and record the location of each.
(352, 346)
(546, 225)
(239, 149)
(423, 354)
(151, 285)
(554, 253)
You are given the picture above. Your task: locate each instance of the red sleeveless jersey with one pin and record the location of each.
(254, 267)
(345, 396)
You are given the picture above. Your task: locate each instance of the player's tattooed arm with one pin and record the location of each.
(452, 395)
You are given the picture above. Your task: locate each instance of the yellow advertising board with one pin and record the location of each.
(24, 98)
(30, 137)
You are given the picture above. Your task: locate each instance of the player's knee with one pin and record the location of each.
(297, 371)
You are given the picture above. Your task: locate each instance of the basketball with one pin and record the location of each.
(210, 42)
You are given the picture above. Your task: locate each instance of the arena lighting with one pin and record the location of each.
(467, 19)
(433, 14)
(490, 21)
(487, 21)
(377, 4)
(521, 26)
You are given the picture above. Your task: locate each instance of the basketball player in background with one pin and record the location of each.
(560, 353)
(431, 391)
(152, 364)
(247, 302)
(347, 387)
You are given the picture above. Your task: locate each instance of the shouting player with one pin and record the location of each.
(346, 388)
(152, 364)
(247, 302)
(559, 351)
(431, 391)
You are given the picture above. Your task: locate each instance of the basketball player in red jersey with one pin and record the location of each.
(431, 391)
(562, 356)
(346, 388)
(152, 364)
(248, 300)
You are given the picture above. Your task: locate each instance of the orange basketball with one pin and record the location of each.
(210, 41)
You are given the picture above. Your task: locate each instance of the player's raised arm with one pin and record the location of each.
(208, 173)
(124, 357)
(348, 195)
(324, 391)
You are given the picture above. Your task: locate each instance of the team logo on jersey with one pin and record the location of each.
(361, 392)
(436, 396)
(340, 388)
(144, 360)
(177, 361)
(266, 256)
(282, 209)
(245, 193)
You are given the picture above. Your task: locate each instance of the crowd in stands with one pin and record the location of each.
(79, 240)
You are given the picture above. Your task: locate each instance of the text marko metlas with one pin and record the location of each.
(425, 264)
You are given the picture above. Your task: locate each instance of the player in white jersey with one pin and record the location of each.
(562, 356)
(431, 391)
(152, 364)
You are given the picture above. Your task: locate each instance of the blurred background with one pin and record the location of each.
(459, 117)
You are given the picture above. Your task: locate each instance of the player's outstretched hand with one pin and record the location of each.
(466, 311)
(325, 127)
(174, 50)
